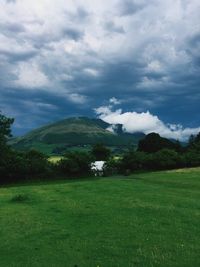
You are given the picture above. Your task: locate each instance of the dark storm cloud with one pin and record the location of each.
(193, 49)
(62, 59)
(37, 106)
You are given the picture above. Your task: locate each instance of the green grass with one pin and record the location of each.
(144, 220)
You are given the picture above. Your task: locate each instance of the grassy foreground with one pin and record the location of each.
(144, 220)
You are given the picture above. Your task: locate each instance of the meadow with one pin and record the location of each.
(144, 220)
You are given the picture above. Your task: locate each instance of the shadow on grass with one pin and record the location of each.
(20, 198)
(48, 182)
(137, 175)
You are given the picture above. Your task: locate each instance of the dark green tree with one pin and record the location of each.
(134, 161)
(36, 163)
(153, 142)
(100, 152)
(194, 143)
(75, 164)
(6, 154)
(164, 159)
(5, 130)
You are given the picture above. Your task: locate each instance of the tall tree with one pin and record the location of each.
(153, 142)
(5, 152)
(5, 129)
(100, 152)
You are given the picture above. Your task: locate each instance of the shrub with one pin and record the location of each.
(164, 159)
(153, 142)
(133, 161)
(112, 166)
(75, 164)
(100, 152)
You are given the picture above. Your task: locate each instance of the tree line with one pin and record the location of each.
(153, 153)
(157, 153)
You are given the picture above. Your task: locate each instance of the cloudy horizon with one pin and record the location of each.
(71, 58)
(142, 122)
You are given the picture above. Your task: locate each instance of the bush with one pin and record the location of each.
(75, 164)
(164, 159)
(161, 160)
(16, 166)
(100, 152)
(192, 158)
(153, 142)
(36, 164)
(133, 161)
(112, 166)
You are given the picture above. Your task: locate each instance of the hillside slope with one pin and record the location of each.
(77, 131)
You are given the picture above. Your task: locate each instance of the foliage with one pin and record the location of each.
(37, 163)
(75, 164)
(133, 161)
(194, 142)
(112, 166)
(191, 158)
(161, 160)
(164, 159)
(100, 152)
(153, 142)
(5, 129)
(6, 154)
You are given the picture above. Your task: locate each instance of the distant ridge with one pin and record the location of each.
(75, 131)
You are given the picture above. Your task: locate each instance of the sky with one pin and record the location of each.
(134, 62)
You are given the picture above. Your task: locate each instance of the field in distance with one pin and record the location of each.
(149, 219)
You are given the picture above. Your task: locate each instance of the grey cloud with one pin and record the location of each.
(80, 15)
(11, 1)
(11, 27)
(112, 27)
(14, 56)
(43, 40)
(129, 7)
(73, 34)
(144, 51)
(193, 48)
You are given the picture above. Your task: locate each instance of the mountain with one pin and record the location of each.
(74, 132)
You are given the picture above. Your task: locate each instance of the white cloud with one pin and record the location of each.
(77, 98)
(30, 76)
(144, 122)
(114, 101)
(154, 66)
(104, 110)
(153, 84)
(91, 72)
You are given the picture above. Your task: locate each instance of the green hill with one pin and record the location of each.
(74, 132)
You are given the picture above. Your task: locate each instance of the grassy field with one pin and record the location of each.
(144, 220)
